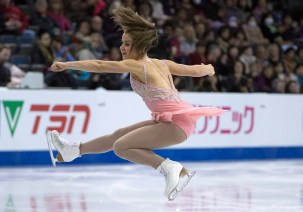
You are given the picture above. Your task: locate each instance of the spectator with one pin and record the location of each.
(261, 56)
(233, 54)
(215, 22)
(82, 34)
(224, 66)
(269, 28)
(200, 30)
(299, 55)
(168, 31)
(300, 27)
(184, 83)
(292, 87)
(181, 18)
(93, 50)
(208, 84)
(254, 74)
(158, 12)
(287, 30)
(40, 18)
(170, 7)
(130, 3)
(118, 3)
(15, 73)
(2, 23)
(289, 59)
(5, 74)
(253, 32)
(299, 72)
(210, 9)
(198, 56)
(43, 51)
(245, 8)
(213, 53)
(274, 54)
(191, 11)
(109, 81)
(146, 10)
(236, 80)
(239, 39)
(209, 36)
(247, 57)
(224, 38)
(75, 10)
(231, 10)
(188, 44)
(97, 27)
(69, 78)
(279, 71)
(261, 8)
(56, 12)
(97, 24)
(174, 46)
(63, 54)
(95, 7)
(15, 20)
(278, 86)
(265, 80)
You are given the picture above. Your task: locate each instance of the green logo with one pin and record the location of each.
(12, 111)
(10, 207)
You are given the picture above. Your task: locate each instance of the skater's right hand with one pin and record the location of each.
(58, 66)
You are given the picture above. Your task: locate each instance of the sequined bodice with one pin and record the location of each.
(152, 93)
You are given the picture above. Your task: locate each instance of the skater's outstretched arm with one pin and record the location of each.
(190, 70)
(99, 66)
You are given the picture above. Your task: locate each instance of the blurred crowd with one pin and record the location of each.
(254, 45)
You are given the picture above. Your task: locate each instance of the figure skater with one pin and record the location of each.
(173, 119)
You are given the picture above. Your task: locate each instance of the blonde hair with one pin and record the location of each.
(143, 33)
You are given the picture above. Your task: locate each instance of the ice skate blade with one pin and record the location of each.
(189, 176)
(49, 141)
(178, 190)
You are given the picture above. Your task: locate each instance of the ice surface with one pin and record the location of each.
(217, 186)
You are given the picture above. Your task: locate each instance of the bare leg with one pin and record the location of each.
(105, 143)
(136, 145)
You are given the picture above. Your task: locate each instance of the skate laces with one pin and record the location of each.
(64, 144)
(165, 173)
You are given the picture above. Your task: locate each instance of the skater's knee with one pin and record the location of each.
(119, 133)
(119, 148)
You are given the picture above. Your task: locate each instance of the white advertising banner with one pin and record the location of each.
(26, 115)
(252, 120)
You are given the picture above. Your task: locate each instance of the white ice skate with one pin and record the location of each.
(172, 172)
(68, 151)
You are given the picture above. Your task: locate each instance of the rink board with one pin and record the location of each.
(256, 126)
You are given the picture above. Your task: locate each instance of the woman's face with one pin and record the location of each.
(46, 39)
(41, 7)
(126, 47)
(84, 28)
(269, 72)
(238, 69)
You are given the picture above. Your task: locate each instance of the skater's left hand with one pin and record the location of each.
(209, 68)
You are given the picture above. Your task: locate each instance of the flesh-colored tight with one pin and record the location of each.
(136, 142)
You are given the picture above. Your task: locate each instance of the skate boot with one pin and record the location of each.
(172, 172)
(67, 151)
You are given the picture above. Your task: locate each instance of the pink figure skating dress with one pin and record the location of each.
(166, 105)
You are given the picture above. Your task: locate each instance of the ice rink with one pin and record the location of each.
(217, 186)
